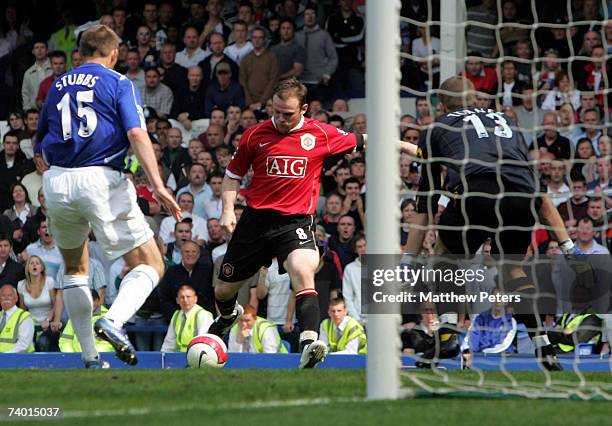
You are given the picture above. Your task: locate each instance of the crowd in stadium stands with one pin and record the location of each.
(205, 70)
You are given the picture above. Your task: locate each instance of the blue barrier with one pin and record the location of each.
(290, 361)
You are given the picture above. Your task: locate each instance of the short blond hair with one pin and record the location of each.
(98, 40)
(291, 87)
(457, 92)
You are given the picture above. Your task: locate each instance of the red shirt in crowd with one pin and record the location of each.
(287, 168)
(483, 82)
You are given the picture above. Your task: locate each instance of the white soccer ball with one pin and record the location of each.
(206, 350)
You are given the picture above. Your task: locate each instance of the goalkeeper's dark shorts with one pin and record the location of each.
(497, 214)
(261, 235)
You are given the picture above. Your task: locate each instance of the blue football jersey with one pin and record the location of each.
(86, 116)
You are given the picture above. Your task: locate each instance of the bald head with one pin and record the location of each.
(457, 92)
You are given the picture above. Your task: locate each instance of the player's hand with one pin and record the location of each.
(228, 221)
(167, 200)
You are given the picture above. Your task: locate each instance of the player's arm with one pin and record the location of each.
(230, 188)
(551, 217)
(405, 147)
(142, 148)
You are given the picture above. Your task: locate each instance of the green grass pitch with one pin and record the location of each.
(271, 397)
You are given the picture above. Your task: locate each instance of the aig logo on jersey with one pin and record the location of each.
(307, 141)
(285, 166)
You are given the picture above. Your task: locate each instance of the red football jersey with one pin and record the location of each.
(287, 168)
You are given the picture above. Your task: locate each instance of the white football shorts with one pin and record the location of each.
(97, 198)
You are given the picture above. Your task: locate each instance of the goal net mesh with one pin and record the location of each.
(545, 66)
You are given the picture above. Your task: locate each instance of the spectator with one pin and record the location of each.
(408, 209)
(33, 181)
(529, 115)
(189, 321)
(223, 92)
(522, 50)
(247, 118)
(30, 228)
(198, 188)
(483, 78)
(156, 94)
(510, 88)
(563, 93)
(576, 206)
(342, 333)
(590, 124)
(427, 49)
(205, 158)
(213, 206)
(604, 144)
(360, 124)
(134, 72)
(258, 72)
(13, 166)
(165, 20)
(491, 332)
(174, 153)
(215, 234)
(241, 46)
(182, 232)
(343, 243)
(353, 204)
(291, 57)
(597, 212)
(545, 78)
(16, 326)
(194, 270)
(214, 23)
(580, 326)
(558, 191)
(213, 139)
(347, 30)
(321, 56)
(69, 342)
(332, 213)
(253, 334)
(602, 187)
(280, 308)
(589, 40)
(192, 54)
(21, 208)
(189, 103)
(34, 75)
(586, 243)
(58, 67)
(173, 75)
(585, 158)
(551, 141)
(351, 281)
(430, 339)
(216, 57)
(478, 38)
(150, 15)
(25, 144)
(148, 55)
(37, 296)
(198, 226)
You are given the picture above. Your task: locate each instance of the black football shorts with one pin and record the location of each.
(261, 235)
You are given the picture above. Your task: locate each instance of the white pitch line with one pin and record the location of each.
(77, 414)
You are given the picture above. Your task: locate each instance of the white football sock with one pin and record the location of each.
(135, 287)
(78, 302)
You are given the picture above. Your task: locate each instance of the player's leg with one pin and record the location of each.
(247, 251)
(301, 265)
(70, 231)
(515, 242)
(121, 230)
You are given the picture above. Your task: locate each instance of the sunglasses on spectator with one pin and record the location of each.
(144, 33)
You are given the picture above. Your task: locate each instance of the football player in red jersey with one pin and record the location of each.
(286, 154)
